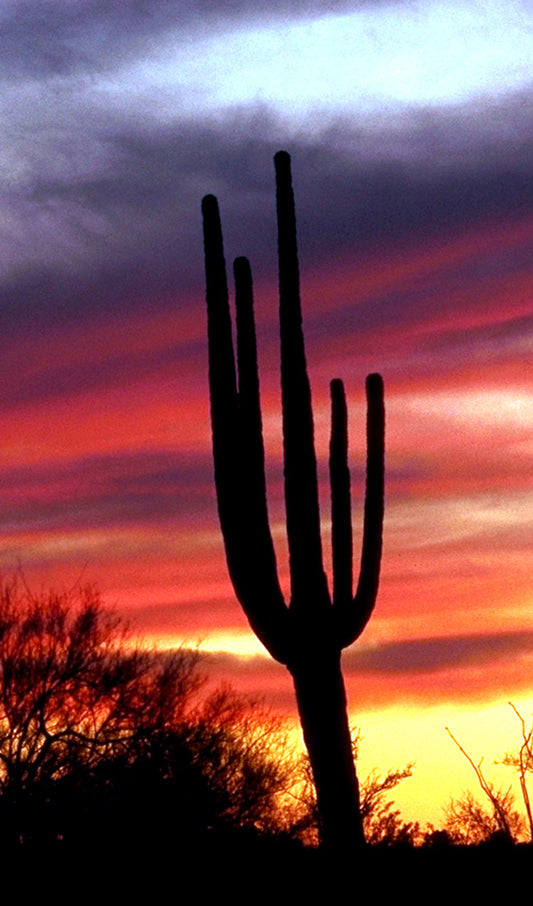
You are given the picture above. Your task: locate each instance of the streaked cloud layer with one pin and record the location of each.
(411, 131)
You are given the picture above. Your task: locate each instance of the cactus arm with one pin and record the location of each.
(358, 615)
(341, 517)
(265, 606)
(308, 581)
(222, 377)
(252, 570)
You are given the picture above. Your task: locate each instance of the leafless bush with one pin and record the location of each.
(99, 736)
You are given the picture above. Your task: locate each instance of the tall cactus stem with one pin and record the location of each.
(308, 581)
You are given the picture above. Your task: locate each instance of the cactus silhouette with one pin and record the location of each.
(309, 633)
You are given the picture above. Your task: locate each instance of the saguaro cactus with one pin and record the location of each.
(308, 634)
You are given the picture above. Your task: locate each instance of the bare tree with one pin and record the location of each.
(467, 821)
(102, 739)
(383, 824)
(72, 695)
(522, 762)
(247, 760)
(465, 818)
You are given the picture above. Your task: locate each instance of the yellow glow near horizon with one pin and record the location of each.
(392, 737)
(231, 642)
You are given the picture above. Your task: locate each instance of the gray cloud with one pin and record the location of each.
(103, 491)
(56, 381)
(100, 202)
(418, 656)
(60, 37)
(421, 656)
(78, 242)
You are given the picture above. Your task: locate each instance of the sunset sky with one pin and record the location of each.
(410, 126)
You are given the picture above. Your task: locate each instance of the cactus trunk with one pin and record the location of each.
(308, 633)
(321, 700)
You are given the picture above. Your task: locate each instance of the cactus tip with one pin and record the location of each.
(282, 161)
(209, 203)
(241, 267)
(374, 383)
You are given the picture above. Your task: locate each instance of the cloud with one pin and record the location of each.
(417, 656)
(422, 670)
(106, 491)
(127, 225)
(61, 37)
(103, 371)
(431, 655)
(104, 162)
(414, 238)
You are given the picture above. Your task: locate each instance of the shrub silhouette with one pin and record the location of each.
(309, 634)
(103, 743)
(469, 822)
